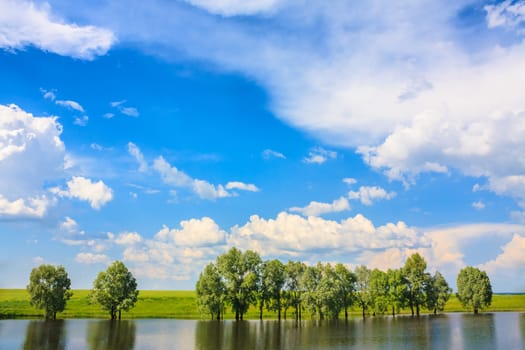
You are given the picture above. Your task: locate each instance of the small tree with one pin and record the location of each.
(49, 289)
(416, 278)
(438, 292)
(273, 279)
(363, 295)
(211, 291)
(474, 289)
(115, 289)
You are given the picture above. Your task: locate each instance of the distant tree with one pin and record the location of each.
(310, 297)
(241, 274)
(474, 289)
(416, 278)
(292, 287)
(379, 291)
(211, 291)
(397, 290)
(363, 294)
(347, 283)
(273, 278)
(437, 292)
(49, 289)
(115, 289)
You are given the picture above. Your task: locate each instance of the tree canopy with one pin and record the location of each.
(49, 289)
(474, 289)
(115, 289)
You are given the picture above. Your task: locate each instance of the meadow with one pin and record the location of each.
(14, 303)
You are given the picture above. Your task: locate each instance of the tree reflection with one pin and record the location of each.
(45, 335)
(111, 334)
(479, 331)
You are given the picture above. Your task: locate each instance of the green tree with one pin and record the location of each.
(310, 297)
(347, 284)
(241, 273)
(273, 279)
(115, 289)
(474, 289)
(363, 294)
(416, 278)
(49, 289)
(211, 291)
(379, 291)
(438, 292)
(397, 290)
(292, 287)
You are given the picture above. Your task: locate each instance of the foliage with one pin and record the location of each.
(379, 291)
(363, 294)
(115, 289)
(347, 280)
(474, 289)
(273, 279)
(397, 290)
(241, 274)
(414, 272)
(49, 289)
(211, 291)
(438, 292)
(292, 287)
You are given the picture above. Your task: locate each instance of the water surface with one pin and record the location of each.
(450, 331)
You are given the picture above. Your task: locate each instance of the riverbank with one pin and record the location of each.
(14, 303)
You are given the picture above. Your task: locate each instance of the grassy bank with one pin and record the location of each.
(14, 303)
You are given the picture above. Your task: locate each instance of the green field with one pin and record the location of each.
(14, 303)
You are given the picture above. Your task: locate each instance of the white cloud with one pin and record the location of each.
(510, 260)
(368, 194)
(69, 225)
(479, 205)
(108, 115)
(81, 121)
(235, 7)
(268, 154)
(38, 260)
(319, 155)
(26, 139)
(129, 111)
(69, 104)
(135, 152)
(349, 181)
(319, 208)
(96, 193)
(128, 238)
(236, 185)
(90, 258)
(175, 177)
(24, 208)
(23, 23)
(194, 233)
(505, 14)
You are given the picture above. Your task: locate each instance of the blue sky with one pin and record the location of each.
(162, 133)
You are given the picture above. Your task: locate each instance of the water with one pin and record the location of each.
(451, 331)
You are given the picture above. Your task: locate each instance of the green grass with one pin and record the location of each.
(14, 303)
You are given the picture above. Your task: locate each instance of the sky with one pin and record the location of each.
(161, 133)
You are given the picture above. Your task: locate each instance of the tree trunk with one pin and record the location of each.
(417, 310)
(119, 314)
(393, 311)
(54, 315)
(363, 312)
(435, 311)
(236, 315)
(346, 313)
(412, 308)
(475, 311)
(261, 311)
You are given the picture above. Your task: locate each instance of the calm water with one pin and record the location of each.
(452, 331)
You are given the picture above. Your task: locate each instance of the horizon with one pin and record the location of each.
(341, 132)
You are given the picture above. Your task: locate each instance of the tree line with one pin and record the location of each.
(241, 280)
(114, 289)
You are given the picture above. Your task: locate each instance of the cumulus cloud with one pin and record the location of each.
(235, 7)
(511, 261)
(349, 181)
(268, 154)
(27, 139)
(505, 14)
(24, 23)
(205, 190)
(319, 155)
(236, 185)
(319, 208)
(81, 121)
(128, 238)
(96, 193)
(129, 111)
(90, 258)
(135, 152)
(194, 233)
(368, 194)
(479, 205)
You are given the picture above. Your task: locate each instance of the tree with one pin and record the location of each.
(362, 288)
(474, 289)
(211, 291)
(438, 292)
(294, 273)
(347, 282)
(397, 290)
(49, 289)
(310, 281)
(241, 274)
(379, 291)
(273, 279)
(115, 289)
(416, 278)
